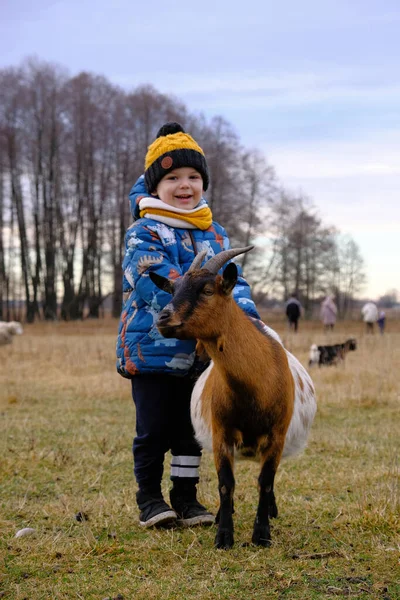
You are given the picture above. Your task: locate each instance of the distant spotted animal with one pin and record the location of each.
(330, 355)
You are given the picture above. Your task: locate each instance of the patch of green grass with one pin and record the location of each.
(67, 423)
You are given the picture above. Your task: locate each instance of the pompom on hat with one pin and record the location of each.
(173, 148)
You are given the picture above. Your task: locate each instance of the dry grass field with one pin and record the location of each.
(67, 422)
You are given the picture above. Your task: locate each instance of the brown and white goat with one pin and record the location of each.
(254, 397)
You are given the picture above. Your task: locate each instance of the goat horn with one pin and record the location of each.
(198, 259)
(216, 262)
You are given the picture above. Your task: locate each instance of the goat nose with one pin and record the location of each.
(163, 316)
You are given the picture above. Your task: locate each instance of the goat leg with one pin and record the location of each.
(233, 512)
(272, 507)
(266, 505)
(226, 486)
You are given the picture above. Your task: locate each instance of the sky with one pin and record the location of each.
(314, 85)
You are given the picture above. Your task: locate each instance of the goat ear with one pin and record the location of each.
(230, 276)
(162, 282)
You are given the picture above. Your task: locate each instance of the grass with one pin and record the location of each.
(67, 422)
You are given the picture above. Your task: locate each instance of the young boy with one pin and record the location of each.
(172, 223)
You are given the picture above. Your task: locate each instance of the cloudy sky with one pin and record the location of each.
(315, 85)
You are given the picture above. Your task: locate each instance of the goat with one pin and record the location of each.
(331, 355)
(254, 397)
(7, 330)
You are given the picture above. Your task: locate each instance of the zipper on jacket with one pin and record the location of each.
(193, 242)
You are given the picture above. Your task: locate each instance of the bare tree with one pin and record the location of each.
(70, 150)
(44, 137)
(12, 100)
(351, 276)
(3, 274)
(222, 148)
(257, 187)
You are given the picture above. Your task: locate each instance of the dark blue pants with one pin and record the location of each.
(163, 423)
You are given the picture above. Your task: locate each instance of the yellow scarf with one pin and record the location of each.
(200, 219)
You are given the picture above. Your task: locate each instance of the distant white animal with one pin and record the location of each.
(314, 355)
(8, 330)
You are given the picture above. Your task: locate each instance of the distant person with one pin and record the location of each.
(293, 312)
(328, 313)
(370, 315)
(381, 321)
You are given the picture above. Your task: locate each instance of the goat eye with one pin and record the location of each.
(208, 291)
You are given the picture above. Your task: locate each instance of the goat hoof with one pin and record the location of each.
(261, 538)
(224, 539)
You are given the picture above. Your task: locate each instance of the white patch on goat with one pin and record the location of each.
(201, 429)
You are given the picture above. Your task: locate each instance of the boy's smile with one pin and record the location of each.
(181, 188)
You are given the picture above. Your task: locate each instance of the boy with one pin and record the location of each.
(172, 224)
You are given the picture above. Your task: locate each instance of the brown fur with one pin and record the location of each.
(270, 387)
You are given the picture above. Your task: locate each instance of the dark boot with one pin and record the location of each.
(184, 501)
(154, 511)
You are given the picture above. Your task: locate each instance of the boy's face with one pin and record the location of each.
(181, 188)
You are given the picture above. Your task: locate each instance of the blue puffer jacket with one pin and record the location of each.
(153, 246)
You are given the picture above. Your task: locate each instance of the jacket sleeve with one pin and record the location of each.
(144, 253)
(241, 291)
(242, 297)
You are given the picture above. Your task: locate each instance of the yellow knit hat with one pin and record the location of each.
(172, 149)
